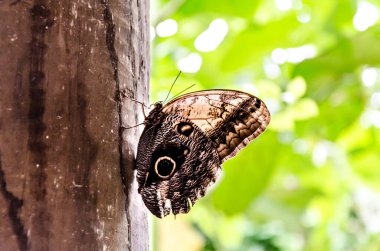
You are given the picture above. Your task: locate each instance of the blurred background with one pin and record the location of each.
(312, 180)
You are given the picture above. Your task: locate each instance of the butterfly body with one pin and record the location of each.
(185, 141)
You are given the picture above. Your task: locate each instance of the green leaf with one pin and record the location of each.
(297, 87)
(244, 8)
(246, 175)
(255, 41)
(305, 108)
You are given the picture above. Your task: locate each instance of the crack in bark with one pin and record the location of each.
(41, 22)
(110, 42)
(14, 206)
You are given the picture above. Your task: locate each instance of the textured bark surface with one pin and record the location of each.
(66, 177)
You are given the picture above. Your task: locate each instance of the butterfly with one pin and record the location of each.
(186, 140)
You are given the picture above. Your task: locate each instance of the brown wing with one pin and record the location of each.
(230, 118)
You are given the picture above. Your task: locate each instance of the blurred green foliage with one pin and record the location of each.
(312, 180)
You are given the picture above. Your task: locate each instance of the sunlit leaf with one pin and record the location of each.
(246, 177)
(297, 87)
(282, 122)
(304, 109)
(253, 43)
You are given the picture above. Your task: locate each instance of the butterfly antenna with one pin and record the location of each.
(182, 92)
(139, 102)
(171, 87)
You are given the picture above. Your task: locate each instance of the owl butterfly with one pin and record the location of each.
(185, 141)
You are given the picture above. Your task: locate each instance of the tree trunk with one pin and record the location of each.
(66, 163)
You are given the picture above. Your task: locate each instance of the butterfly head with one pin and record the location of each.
(155, 115)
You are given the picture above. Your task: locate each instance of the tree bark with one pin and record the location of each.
(69, 70)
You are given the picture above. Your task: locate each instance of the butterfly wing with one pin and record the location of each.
(176, 163)
(229, 118)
